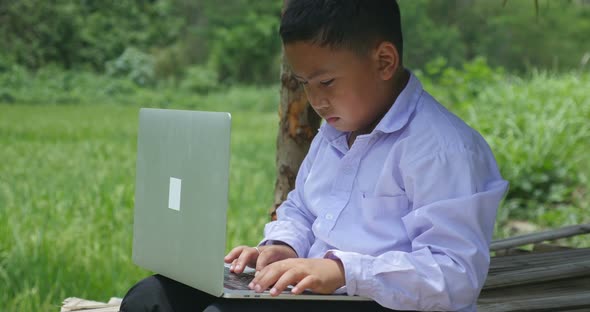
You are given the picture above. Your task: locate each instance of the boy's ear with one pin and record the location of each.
(388, 60)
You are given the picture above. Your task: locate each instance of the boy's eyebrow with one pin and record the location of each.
(313, 75)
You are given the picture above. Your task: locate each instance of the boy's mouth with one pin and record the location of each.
(332, 119)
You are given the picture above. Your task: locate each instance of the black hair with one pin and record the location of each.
(357, 25)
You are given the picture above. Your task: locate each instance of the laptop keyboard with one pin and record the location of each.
(240, 281)
(237, 281)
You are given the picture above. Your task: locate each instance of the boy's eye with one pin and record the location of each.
(327, 82)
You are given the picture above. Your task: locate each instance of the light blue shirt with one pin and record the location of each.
(409, 209)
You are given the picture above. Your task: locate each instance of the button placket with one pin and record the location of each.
(347, 170)
(346, 175)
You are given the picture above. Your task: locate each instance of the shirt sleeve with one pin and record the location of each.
(455, 196)
(294, 220)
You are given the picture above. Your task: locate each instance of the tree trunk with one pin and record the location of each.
(297, 126)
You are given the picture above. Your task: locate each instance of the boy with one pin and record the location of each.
(396, 198)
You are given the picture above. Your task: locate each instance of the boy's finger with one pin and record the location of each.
(233, 265)
(233, 254)
(261, 262)
(247, 256)
(309, 282)
(267, 257)
(266, 278)
(288, 278)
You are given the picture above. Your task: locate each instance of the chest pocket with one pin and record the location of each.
(384, 208)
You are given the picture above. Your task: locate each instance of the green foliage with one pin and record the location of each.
(244, 41)
(51, 85)
(538, 129)
(134, 65)
(512, 37)
(460, 86)
(425, 40)
(554, 40)
(83, 33)
(200, 79)
(238, 39)
(247, 53)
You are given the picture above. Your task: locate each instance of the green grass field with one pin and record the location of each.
(67, 179)
(66, 199)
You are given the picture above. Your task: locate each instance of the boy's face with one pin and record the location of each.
(348, 90)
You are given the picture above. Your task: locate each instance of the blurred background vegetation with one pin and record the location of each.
(202, 44)
(74, 73)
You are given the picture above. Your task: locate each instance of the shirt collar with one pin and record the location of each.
(395, 118)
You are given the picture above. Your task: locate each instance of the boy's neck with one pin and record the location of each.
(399, 84)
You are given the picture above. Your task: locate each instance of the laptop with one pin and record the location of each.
(181, 199)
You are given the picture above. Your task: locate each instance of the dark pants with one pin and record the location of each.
(160, 294)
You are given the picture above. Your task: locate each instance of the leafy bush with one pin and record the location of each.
(84, 34)
(538, 129)
(425, 39)
(238, 39)
(242, 54)
(133, 64)
(200, 79)
(460, 86)
(509, 35)
(52, 85)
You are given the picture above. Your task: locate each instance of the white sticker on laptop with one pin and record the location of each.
(174, 194)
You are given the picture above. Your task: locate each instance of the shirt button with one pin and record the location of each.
(329, 216)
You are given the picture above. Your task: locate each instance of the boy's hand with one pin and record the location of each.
(258, 258)
(321, 276)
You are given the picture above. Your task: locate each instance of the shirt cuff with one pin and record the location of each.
(342, 290)
(357, 271)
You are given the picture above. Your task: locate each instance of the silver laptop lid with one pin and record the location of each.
(181, 195)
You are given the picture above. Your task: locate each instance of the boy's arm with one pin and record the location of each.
(455, 195)
(294, 220)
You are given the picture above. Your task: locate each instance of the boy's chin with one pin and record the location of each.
(340, 125)
(342, 128)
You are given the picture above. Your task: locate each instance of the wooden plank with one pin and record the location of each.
(547, 303)
(538, 274)
(529, 291)
(555, 288)
(537, 248)
(515, 262)
(511, 252)
(544, 247)
(532, 238)
(535, 268)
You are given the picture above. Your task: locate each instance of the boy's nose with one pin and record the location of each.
(323, 109)
(317, 100)
(319, 103)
